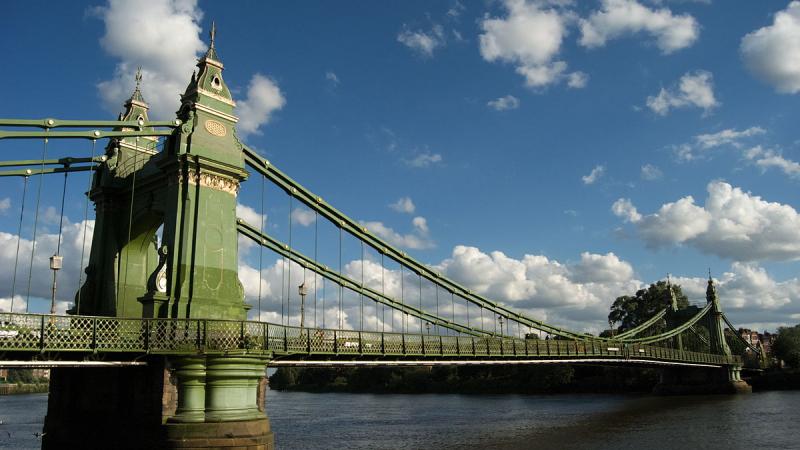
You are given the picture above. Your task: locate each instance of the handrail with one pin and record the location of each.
(58, 334)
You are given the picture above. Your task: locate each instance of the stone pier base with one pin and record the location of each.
(168, 404)
(701, 381)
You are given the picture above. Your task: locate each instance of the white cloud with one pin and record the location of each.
(5, 204)
(163, 38)
(417, 240)
(423, 42)
(577, 80)
(530, 37)
(772, 52)
(674, 222)
(732, 224)
(750, 296)
(704, 142)
(504, 103)
(694, 89)
(594, 268)
(728, 136)
(250, 215)
(264, 97)
(404, 205)
(72, 241)
(421, 225)
(621, 17)
(594, 175)
(624, 209)
(651, 173)
(766, 159)
(424, 160)
(303, 216)
(332, 77)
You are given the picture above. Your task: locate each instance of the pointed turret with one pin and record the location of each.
(208, 88)
(123, 152)
(711, 290)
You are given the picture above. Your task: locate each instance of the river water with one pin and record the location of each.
(768, 420)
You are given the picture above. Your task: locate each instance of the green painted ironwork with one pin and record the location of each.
(42, 335)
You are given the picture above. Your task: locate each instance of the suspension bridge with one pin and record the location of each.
(160, 346)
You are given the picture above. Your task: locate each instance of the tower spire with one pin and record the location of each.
(213, 33)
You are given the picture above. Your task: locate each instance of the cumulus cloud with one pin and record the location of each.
(504, 103)
(530, 38)
(250, 215)
(732, 224)
(5, 204)
(264, 97)
(423, 42)
(695, 89)
(750, 296)
(303, 216)
(594, 175)
(650, 172)
(618, 18)
(424, 160)
(624, 209)
(771, 53)
(46, 242)
(419, 239)
(404, 205)
(167, 51)
(767, 159)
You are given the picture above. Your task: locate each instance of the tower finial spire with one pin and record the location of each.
(138, 77)
(213, 33)
(709, 273)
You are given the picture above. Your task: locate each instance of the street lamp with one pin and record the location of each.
(428, 327)
(56, 262)
(500, 319)
(303, 291)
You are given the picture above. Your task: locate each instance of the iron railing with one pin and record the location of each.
(40, 333)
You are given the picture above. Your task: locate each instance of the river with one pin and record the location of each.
(306, 421)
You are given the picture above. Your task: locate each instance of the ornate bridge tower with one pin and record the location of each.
(165, 245)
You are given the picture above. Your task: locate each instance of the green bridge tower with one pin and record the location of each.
(165, 246)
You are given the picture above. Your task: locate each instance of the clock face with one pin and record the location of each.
(161, 282)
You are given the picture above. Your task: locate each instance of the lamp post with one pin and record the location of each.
(500, 319)
(428, 327)
(303, 291)
(56, 262)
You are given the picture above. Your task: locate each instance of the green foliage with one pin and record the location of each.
(630, 311)
(24, 376)
(787, 345)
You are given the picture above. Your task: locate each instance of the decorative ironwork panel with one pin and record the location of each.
(450, 345)
(413, 344)
(393, 343)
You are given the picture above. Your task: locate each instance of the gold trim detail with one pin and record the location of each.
(215, 128)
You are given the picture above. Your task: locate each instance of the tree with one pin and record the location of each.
(787, 345)
(631, 311)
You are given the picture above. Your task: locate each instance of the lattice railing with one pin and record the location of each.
(37, 333)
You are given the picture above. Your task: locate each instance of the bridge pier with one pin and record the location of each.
(701, 381)
(183, 403)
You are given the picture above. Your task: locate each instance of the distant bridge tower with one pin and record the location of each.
(188, 191)
(716, 324)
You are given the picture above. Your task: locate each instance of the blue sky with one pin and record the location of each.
(532, 129)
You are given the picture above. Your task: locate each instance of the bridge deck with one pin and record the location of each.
(51, 337)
